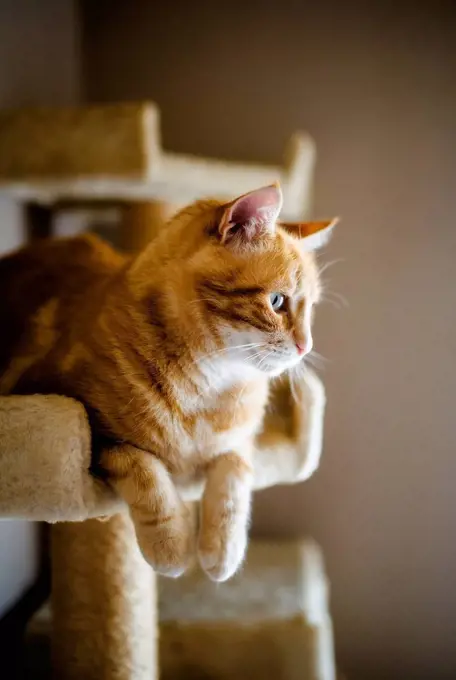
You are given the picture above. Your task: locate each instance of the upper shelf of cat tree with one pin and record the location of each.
(113, 153)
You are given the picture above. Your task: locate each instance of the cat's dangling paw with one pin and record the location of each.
(220, 554)
(168, 543)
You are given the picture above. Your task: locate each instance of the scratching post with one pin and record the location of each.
(103, 603)
(103, 591)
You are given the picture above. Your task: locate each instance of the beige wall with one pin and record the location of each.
(39, 64)
(377, 90)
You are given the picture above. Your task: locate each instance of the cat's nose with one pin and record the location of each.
(301, 348)
(304, 344)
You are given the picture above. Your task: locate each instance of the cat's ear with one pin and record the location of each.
(251, 215)
(312, 235)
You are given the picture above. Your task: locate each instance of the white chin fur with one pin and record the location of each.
(275, 371)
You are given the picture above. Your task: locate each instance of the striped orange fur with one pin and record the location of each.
(171, 352)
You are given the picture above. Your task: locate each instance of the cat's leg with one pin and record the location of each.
(225, 514)
(163, 525)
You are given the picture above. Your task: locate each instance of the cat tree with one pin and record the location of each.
(104, 595)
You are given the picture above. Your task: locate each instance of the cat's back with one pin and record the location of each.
(33, 276)
(49, 260)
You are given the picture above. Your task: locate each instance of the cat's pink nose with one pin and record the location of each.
(303, 345)
(301, 348)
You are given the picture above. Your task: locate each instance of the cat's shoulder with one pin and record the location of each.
(61, 257)
(92, 247)
(84, 250)
(86, 244)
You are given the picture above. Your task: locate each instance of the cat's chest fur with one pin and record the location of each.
(188, 435)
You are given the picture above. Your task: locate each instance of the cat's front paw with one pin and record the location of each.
(220, 556)
(167, 544)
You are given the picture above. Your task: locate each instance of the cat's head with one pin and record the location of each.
(250, 281)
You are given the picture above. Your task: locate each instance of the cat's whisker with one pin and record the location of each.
(250, 345)
(331, 296)
(329, 264)
(314, 353)
(338, 296)
(247, 346)
(331, 302)
(261, 362)
(312, 361)
(314, 365)
(338, 301)
(245, 349)
(258, 354)
(316, 359)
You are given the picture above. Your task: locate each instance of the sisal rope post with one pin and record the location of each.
(103, 603)
(103, 592)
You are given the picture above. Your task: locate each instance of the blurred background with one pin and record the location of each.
(375, 85)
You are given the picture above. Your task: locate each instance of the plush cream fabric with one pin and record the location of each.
(45, 459)
(271, 621)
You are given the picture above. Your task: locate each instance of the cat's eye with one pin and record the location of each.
(277, 301)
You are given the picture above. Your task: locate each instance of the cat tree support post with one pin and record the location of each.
(103, 592)
(103, 602)
(141, 222)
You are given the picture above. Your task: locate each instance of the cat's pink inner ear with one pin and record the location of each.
(252, 214)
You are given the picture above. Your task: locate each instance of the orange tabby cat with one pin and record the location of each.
(171, 352)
